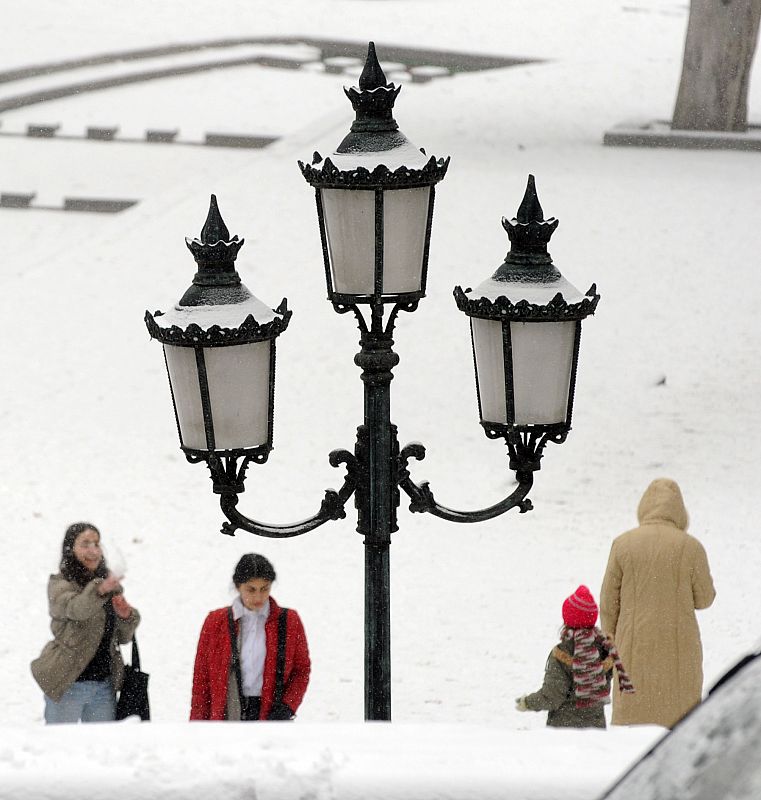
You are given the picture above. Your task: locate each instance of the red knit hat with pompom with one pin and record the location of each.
(580, 609)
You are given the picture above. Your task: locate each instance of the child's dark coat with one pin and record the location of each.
(557, 697)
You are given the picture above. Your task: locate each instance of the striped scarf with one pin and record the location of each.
(590, 685)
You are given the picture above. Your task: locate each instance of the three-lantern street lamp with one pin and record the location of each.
(375, 197)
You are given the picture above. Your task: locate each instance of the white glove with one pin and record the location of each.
(520, 703)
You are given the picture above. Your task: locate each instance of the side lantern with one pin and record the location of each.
(219, 347)
(526, 327)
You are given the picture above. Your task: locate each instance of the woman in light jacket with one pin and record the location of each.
(657, 576)
(235, 674)
(81, 669)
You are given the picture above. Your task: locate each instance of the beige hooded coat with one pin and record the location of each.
(657, 576)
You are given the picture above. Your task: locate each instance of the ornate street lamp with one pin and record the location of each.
(525, 324)
(375, 207)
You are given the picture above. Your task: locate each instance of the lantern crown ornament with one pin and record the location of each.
(214, 248)
(217, 281)
(527, 285)
(373, 103)
(217, 308)
(528, 230)
(374, 152)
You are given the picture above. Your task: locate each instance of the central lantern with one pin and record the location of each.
(375, 198)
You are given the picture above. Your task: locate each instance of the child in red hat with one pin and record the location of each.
(578, 671)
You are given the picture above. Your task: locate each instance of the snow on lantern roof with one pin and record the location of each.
(215, 326)
(527, 286)
(217, 309)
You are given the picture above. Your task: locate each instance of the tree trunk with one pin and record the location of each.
(718, 55)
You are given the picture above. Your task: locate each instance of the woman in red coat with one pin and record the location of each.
(226, 687)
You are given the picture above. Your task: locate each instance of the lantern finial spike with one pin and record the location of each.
(528, 230)
(214, 229)
(530, 209)
(373, 101)
(215, 249)
(372, 75)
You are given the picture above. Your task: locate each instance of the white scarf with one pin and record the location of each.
(253, 646)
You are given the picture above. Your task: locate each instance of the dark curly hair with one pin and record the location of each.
(71, 569)
(251, 566)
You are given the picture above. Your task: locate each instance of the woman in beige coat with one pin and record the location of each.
(657, 576)
(80, 670)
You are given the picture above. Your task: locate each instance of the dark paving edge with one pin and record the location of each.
(96, 205)
(167, 137)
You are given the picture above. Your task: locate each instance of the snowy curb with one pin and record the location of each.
(658, 133)
(275, 761)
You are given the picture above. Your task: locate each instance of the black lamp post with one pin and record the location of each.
(375, 206)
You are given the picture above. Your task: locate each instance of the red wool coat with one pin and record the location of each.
(213, 664)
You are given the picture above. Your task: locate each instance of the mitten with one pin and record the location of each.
(520, 703)
(280, 712)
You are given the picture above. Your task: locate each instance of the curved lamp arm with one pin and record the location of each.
(423, 500)
(332, 506)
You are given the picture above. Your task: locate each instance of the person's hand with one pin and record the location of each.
(280, 712)
(520, 703)
(121, 607)
(109, 584)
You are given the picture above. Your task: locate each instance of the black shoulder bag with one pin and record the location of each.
(279, 708)
(133, 697)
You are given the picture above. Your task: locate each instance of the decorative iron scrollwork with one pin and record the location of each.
(422, 499)
(556, 310)
(229, 477)
(194, 335)
(329, 176)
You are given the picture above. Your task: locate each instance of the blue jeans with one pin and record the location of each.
(88, 701)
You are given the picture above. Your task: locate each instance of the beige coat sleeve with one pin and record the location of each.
(68, 601)
(703, 591)
(125, 628)
(610, 594)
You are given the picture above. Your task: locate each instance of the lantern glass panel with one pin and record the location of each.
(239, 389)
(238, 380)
(490, 369)
(350, 230)
(405, 220)
(183, 378)
(542, 366)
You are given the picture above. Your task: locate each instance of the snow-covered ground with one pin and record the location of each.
(668, 380)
